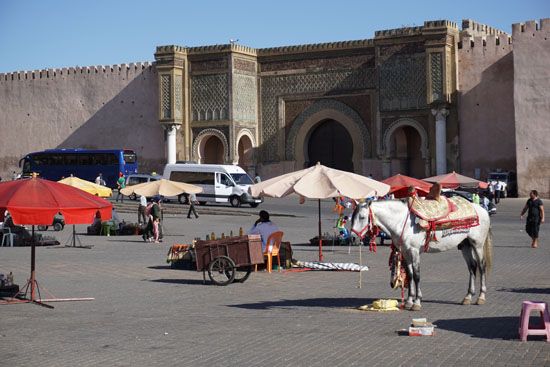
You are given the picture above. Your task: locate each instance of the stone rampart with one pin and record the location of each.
(114, 106)
(485, 103)
(532, 105)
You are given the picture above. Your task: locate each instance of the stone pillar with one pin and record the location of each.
(440, 139)
(171, 142)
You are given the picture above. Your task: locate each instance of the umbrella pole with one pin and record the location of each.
(320, 238)
(33, 263)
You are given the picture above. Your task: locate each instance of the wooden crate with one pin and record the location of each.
(243, 250)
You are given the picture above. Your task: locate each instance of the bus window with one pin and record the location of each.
(129, 156)
(84, 159)
(111, 159)
(194, 178)
(70, 160)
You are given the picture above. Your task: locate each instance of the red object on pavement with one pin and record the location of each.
(400, 185)
(454, 180)
(35, 201)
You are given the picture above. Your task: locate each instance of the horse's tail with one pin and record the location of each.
(488, 251)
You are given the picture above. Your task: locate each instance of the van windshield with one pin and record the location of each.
(242, 179)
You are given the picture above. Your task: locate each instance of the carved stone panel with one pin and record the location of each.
(166, 100)
(244, 66)
(209, 97)
(436, 65)
(178, 97)
(245, 98)
(403, 82)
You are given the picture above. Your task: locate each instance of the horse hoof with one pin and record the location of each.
(416, 307)
(408, 306)
(480, 301)
(466, 301)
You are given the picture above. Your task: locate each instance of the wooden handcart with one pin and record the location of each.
(230, 259)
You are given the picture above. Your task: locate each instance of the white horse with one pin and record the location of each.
(394, 218)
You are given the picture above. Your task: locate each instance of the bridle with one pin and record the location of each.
(369, 229)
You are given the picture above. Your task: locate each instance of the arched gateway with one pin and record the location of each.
(329, 132)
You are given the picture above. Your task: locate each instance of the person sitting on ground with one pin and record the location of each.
(264, 227)
(95, 228)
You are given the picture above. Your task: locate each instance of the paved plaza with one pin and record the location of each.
(147, 314)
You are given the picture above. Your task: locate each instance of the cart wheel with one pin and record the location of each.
(42, 228)
(242, 273)
(221, 270)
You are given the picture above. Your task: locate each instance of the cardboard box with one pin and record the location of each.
(421, 331)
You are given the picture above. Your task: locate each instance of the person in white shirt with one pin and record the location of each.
(99, 180)
(264, 227)
(498, 191)
(142, 217)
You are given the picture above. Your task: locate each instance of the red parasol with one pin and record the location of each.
(35, 201)
(454, 180)
(400, 185)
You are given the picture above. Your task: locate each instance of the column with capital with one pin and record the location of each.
(440, 139)
(171, 142)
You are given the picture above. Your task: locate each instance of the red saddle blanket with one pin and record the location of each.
(455, 212)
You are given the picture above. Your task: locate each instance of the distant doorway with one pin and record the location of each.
(213, 151)
(405, 152)
(245, 151)
(330, 144)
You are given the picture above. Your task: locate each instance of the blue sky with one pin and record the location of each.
(63, 33)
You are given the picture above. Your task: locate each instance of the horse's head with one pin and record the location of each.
(360, 221)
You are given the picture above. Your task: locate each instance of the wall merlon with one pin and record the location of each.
(474, 28)
(530, 26)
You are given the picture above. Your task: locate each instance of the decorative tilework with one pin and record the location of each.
(209, 97)
(166, 103)
(436, 63)
(403, 82)
(178, 97)
(245, 98)
(273, 87)
(325, 104)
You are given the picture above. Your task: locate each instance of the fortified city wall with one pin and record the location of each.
(486, 100)
(532, 105)
(89, 107)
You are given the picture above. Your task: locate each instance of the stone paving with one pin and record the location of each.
(147, 314)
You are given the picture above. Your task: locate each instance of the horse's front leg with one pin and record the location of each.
(413, 269)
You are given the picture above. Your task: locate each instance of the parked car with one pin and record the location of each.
(491, 209)
(509, 178)
(138, 178)
(58, 224)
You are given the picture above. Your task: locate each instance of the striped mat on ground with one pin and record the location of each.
(316, 265)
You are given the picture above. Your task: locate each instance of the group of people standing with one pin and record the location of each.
(150, 215)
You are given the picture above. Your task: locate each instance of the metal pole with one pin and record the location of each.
(33, 278)
(74, 236)
(320, 238)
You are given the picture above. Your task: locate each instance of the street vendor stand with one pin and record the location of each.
(228, 259)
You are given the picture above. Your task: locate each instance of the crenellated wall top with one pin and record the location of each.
(531, 26)
(135, 67)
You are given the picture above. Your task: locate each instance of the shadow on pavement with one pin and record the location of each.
(505, 327)
(161, 267)
(311, 302)
(180, 281)
(443, 302)
(526, 290)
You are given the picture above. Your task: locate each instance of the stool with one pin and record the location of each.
(7, 237)
(541, 329)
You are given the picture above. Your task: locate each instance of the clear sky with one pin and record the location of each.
(39, 34)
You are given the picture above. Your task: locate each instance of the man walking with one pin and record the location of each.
(535, 216)
(192, 201)
(141, 210)
(120, 184)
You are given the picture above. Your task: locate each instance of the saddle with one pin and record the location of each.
(456, 212)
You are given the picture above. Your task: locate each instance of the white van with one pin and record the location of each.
(221, 183)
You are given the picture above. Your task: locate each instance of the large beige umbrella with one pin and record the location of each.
(320, 182)
(87, 186)
(161, 187)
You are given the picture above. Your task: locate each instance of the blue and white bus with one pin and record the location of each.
(87, 164)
